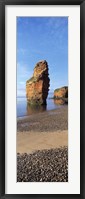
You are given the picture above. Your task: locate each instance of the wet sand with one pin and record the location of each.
(43, 131)
(30, 142)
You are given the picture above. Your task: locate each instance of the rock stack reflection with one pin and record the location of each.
(60, 101)
(35, 109)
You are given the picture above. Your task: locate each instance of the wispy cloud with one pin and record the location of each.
(23, 71)
(57, 23)
(22, 83)
(58, 30)
(21, 92)
(22, 51)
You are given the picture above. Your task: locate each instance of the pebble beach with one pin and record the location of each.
(43, 166)
(42, 147)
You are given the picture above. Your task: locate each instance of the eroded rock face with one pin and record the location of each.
(37, 86)
(61, 96)
(61, 92)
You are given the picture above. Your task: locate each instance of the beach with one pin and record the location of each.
(48, 121)
(42, 146)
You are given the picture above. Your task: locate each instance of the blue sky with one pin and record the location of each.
(42, 38)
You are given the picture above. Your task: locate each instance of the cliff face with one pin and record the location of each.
(37, 86)
(61, 92)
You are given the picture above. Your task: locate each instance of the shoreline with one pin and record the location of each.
(49, 121)
(27, 116)
(43, 131)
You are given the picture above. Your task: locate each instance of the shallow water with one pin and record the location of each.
(23, 109)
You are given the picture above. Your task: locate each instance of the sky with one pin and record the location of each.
(42, 38)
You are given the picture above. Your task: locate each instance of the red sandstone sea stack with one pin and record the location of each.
(61, 95)
(61, 92)
(37, 86)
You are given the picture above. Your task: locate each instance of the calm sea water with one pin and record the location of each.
(24, 110)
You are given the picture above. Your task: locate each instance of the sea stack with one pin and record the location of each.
(37, 86)
(61, 95)
(61, 92)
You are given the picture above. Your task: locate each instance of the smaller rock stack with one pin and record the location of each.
(61, 92)
(37, 86)
(61, 95)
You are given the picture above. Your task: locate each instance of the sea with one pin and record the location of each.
(23, 109)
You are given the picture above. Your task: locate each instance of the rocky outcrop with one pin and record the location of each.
(61, 96)
(37, 86)
(61, 92)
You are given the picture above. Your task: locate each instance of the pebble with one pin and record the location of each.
(43, 166)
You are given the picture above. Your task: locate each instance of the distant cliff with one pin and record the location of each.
(37, 86)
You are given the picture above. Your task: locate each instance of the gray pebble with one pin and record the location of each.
(43, 166)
